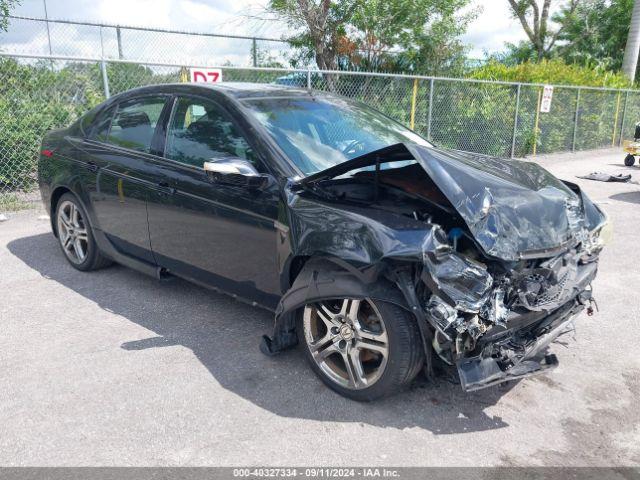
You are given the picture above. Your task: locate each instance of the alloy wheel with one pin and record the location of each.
(347, 340)
(72, 232)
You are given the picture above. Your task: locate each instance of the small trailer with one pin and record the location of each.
(632, 148)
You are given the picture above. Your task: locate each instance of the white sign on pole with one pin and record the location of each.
(547, 96)
(205, 75)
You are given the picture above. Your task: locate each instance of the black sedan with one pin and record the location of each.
(377, 251)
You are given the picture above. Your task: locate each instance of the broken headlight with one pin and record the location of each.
(604, 234)
(461, 282)
(597, 238)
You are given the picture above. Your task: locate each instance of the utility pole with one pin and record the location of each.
(632, 49)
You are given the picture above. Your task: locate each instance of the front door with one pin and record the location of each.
(219, 235)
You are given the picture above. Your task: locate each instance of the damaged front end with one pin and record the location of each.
(495, 323)
(494, 259)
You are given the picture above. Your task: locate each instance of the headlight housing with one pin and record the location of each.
(605, 234)
(599, 236)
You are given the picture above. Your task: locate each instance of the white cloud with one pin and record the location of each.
(150, 13)
(492, 28)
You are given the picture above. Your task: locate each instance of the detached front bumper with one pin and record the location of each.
(485, 370)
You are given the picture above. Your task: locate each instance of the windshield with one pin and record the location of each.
(318, 133)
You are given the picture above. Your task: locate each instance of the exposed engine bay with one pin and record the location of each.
(494, 259)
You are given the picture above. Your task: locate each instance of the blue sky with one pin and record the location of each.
(489, 31)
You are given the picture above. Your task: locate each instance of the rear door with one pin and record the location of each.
(220, 235)
(125, 145)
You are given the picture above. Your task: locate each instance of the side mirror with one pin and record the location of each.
(235, 171)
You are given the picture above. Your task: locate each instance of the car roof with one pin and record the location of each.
(236, 90)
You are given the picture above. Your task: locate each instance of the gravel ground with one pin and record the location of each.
(115, 368)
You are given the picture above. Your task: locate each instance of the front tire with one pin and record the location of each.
(629, 160)
(76, 237)
(362, 349)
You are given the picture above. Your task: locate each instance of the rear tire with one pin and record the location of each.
(363, 351)
(629, 160)
(75, 236)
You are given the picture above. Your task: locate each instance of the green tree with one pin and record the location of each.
(263, 57)
(535, 20)
(424, 32)
(394, 35)
(595, 33)
(5, 7)
(319, 26)
(124, 76)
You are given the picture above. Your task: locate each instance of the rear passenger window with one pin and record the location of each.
(100, 130)
(134, 123)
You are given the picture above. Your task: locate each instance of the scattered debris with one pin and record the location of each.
(43, 217)
(606, 177)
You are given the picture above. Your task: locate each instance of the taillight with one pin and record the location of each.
(47, 153)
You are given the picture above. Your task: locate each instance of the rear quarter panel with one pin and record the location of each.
(64, 170)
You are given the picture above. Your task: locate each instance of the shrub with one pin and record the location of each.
(33, 99)
(554, 72)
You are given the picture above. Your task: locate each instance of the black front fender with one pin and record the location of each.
(326, 279)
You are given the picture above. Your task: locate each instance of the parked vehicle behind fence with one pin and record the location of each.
(377, 251)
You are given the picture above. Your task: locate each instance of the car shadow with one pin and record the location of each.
(629, 197)
(224, 335)
(635, 166)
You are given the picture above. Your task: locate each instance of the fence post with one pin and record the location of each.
(414, 96)
(515, 122)
(254, 51)
(624, 117)
(46, 16)
(575, 122)
(105, 79)
(536, 123)
(430, 109)
(119, 37)
(101, 44)
(615, 122)
(309, 78)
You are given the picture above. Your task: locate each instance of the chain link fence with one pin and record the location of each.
(40, 93)
(67, 38)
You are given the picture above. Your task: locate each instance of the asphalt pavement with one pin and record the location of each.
(115, 368)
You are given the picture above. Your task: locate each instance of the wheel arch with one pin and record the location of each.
(322, 278)
(292, 269)
(56, 194)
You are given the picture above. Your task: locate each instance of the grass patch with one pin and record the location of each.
(12, 202)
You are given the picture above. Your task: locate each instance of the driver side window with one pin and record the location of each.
(199, 132)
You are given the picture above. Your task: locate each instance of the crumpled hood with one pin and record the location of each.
(514, 209)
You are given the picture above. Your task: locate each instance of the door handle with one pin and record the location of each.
(166, 188)
(92, 167)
